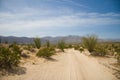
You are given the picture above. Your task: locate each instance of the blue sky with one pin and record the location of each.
(60, 18)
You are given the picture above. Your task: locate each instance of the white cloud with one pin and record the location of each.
(64, 21)
(51, 18)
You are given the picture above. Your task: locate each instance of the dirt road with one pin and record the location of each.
(71, 65)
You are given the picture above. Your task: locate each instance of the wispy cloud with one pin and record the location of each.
(73, 20)
(72, 2)
(35, 18)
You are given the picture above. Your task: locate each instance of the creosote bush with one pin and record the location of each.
(37, 42)
(76, 47)
(100, 51)
(46, 52)
(81, 49)
(90, 42)
(29, 47)
(69, 45)
(9, 56)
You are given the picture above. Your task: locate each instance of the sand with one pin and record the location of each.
(70, 65)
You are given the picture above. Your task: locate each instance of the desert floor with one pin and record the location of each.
(70, 65)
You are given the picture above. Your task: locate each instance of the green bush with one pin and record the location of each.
(29, 47)
(76, 47)
(81, 49)
(9, 56)
(61, 45)
(70, 46)
(90, 42)
(100, 51)
(67, 46)
(15, 49)
(46, 52)
(118, 56)
(37, 42)
(118, 53)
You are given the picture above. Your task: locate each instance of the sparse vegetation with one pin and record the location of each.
(118, 56)
(90, 42)
(46, 52)
(117, 50)
(100, 50)
(61, 45)
(76, 47)
(70, 46)
(9, 56)
(81, 49)
(37, 42)
(29, 47)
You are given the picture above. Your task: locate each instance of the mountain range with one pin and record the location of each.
(68, 39)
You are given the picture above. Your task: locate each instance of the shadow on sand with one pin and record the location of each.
(51, 59)
(14, 71)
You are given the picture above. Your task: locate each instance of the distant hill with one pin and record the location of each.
(53, 40)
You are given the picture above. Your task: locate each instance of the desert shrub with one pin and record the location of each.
(90, 42)
(118, 56)
(100, 51)
(9, 56)
(76, 47)
(46, 52)
(37, 42)
(70, 46)
(61, 45)
(24, 55)
(52, 48)
(81, 49)
(26, 48)
(118, 53)
(29, 47)
(16, 49)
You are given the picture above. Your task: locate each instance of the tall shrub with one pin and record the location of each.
(90, 42)
(61, 45)
(37, 42)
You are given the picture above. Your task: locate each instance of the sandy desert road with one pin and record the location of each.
(71, 65)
